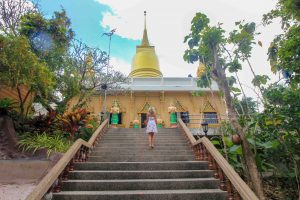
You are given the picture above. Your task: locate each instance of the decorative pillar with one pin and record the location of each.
(173, 117)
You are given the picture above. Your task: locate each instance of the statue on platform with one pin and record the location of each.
(115, 110)
(173, 118)
(136, 123)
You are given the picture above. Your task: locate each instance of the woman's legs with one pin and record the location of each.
(150, 139)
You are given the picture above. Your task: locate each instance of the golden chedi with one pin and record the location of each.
(201, 70)
(145, 62)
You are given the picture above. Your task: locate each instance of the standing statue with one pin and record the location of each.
(115, 110)
(173, 118)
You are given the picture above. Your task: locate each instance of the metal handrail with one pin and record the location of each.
(229, 180)
(78, 152)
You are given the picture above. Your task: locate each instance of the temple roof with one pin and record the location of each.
(167, 84)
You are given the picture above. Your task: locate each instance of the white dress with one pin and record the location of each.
(151, 125)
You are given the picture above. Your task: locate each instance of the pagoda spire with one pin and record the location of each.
(145, 41)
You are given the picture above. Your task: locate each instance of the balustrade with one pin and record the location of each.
(78, 152)
(230, 181)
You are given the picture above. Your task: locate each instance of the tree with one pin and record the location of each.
(50, 40)
(91, 70)
(206, 44)
(11, 12)
(282, 113)
(20, 66)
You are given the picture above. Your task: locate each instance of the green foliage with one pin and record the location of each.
(202, 40)
(284, 50)
(21, 67)
(234, 66)
(246, 106)
(54, 143)
(204, 81)
(289, 51)
(243, 38)
(6, 105)
(48, 37)
(260, 80)
(233, 152)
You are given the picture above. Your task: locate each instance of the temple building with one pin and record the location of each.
(148, 87)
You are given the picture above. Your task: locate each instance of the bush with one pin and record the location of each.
(53, 143)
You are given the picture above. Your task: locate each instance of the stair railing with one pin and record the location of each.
(78, 152)
(230, 181)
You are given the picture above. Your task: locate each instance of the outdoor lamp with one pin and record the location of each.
(104, 86)
(205, 127)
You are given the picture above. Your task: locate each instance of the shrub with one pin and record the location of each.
(53, 143)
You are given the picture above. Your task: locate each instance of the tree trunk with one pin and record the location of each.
(219, 76)
(21, 103)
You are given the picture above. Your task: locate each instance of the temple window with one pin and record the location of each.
(185, 117)
(210, 117)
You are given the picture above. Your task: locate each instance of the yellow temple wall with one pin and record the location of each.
(135, 103)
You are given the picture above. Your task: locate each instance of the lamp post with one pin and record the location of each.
(205, 127)
(109, 34)
(104, 87)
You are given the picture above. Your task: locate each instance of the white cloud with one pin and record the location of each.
(168, 22)
(120, 65)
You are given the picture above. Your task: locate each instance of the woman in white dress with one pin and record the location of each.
(151, 128)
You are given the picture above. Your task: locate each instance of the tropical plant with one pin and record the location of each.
(53, 143)
(72, 121)
(6, 106)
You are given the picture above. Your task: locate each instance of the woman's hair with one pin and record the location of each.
(151, 110)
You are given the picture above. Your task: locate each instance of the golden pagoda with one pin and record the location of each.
(145, 62)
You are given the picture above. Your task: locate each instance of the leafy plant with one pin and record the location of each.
(72, 121)
(6, 106)
(53, 143)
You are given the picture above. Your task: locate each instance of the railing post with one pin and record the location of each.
(230, 190)
(71, 165)
(65, 173)
(216, 168)
(222, 179)
(210, 162)
(197, 151)
(57, 187)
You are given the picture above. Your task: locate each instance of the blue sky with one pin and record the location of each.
(86, 16)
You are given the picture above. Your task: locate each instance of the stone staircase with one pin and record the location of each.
(123, 167)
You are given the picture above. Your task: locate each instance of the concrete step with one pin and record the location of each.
(140, 148)
(141, 184)
(159, 134)
(141, 158)
(141, 129)
(144, 144)
(207, 194)
(143, 133)
(142, 139)
(141, 152)
(149, 174)
(133, 166)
